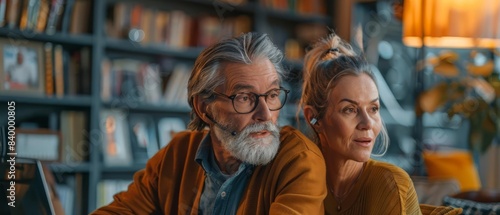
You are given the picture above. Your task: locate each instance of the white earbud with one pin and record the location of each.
(313, 121)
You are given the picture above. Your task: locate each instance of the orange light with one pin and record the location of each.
(452, 23)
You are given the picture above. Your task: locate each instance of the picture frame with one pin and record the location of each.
(167, 128)
(22, 67)
(116, 140)
(142, 137)
(40, 144)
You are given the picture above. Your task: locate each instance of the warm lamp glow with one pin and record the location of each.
(452, 23)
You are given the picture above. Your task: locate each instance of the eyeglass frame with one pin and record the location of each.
(232, 97)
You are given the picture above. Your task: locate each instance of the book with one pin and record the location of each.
(146, 25)
(120, 22)
(126, 86)
(66, 17)
(131, 80)
(68, 80)
(80, 17)
(41, 144)
(43, 14)
(151, 83)
(3, 4)
(23, 22)
(59, 70)
(106, 79)
(208, 30)
(49, 79)
(176, 89)
(33, 11)
(56, 8)
(160, 19)
(85, 71)
(13, 13)
(74, 73)
(73, 126)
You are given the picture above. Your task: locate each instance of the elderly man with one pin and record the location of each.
(244, 163)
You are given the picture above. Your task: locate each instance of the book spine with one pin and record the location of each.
(43, 14)
(33, 11)
(58, 55)
(3, 4)
(13, 10)
(49, 82)
(55, 11)
(66, 18)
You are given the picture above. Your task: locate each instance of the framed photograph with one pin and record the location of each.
(168, 127)
(21, 63)
(40, 144)
(116, 147)
(142, 137)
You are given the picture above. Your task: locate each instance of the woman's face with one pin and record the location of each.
(352, 120)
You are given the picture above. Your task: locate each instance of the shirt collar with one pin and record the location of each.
(204, 153)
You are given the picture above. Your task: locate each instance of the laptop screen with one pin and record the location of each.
(28, 192)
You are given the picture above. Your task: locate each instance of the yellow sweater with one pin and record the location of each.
(172, 183)
(381, 189)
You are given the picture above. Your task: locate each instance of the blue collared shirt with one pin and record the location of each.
(221, 193)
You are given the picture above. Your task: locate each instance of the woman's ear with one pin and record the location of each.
(311, 115)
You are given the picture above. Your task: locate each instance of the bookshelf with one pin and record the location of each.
(74, 87)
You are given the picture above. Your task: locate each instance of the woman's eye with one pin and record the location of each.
(375, 109)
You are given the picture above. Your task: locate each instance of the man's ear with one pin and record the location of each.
(200, 107)
(311, 115)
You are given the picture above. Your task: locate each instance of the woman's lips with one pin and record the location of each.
(366, 142)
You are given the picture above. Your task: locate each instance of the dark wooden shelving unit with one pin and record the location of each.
(102, 47)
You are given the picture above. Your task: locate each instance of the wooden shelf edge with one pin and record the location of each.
(296, 16)
(123, 169)
(245, 7)
(69, 167)
(152, 49)
(137, 106)
(63, 38)
(46, 100)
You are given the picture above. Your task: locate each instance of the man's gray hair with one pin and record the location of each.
(207, 74)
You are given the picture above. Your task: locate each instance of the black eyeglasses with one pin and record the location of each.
(247, 102)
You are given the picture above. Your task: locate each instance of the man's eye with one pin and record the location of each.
(273, 95)
(349, 110)
(243, 98)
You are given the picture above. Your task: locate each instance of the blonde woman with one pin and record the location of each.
(341, 104)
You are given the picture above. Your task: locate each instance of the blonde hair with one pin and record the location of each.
(329, 60)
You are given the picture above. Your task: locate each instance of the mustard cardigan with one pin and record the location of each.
(172, 182)
(382, 188)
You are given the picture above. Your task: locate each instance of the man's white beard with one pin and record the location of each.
(256, 151)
